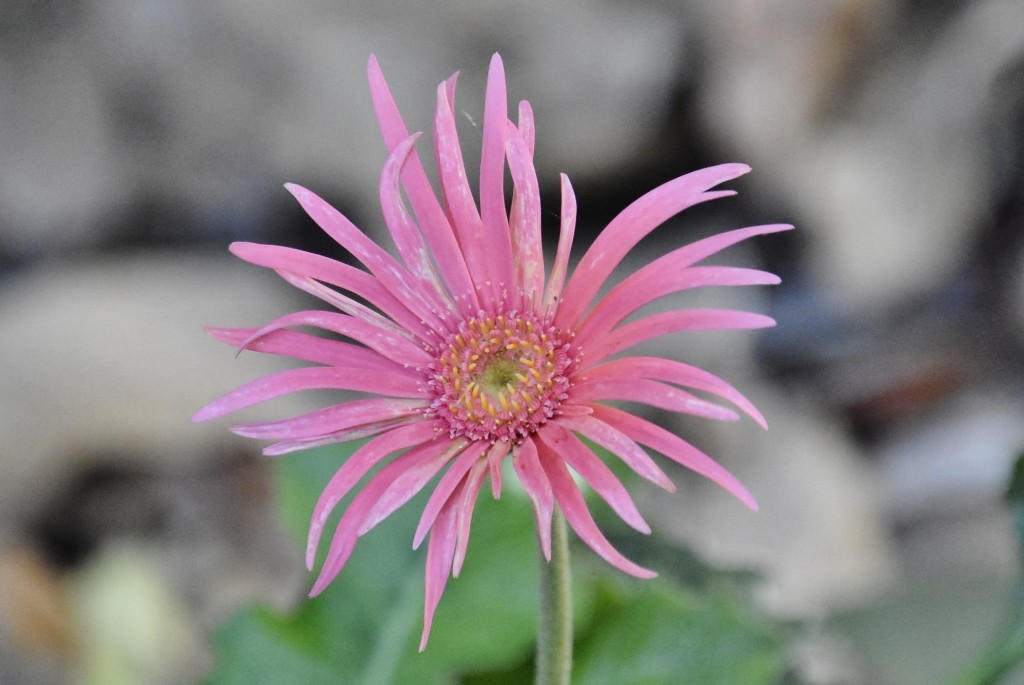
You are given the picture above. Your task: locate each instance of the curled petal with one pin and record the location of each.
(445, 487)
(310, 378)
(357, 466)
(657, 280)
(651, 327)
(570, 499)
(440, 554)
(619, 444)
(492, 175)
(673, 371)
(385, 342)
(363, 505)
(675, 448)
(429, 214)
(308, 347)
(653, 393)
(525, 224)
(598, 476)
(466, 502)
(631, 225)
(495, 456)
(565, 236)
(392, 275)
(527, 467)
(331, 419)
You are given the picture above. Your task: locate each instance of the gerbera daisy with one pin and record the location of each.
(473, 354)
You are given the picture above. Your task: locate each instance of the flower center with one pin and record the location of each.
(501, 377)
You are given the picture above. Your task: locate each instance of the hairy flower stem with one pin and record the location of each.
(554, 635)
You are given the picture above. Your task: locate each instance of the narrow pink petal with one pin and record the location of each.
(317, 267)
(465, 220)
(675, 448)
(346, 532)
(594, 471)
(392, 275)
(527, 247)
(367, 430)
(357, 466)
(466, 502)
(309, 348)
(311, 378)
(349, 306)
(642, 330)
(570, 499)
(568, 229)
(330, 419)
(527, 466)
(385, 342)
(409, 483)
(440, 553)
(619, 444)
(631, 225)
(495, 456)
(431, 217)
(404, 231)
(492, 175)
(650, 392)
(673, 371)
(445, 487)
(656, 280)
(527, 128)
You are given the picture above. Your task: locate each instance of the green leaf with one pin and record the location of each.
(659, 634)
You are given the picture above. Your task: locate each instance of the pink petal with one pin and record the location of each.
(466, 502)
(309, 348)
(452, 478)
(594, 471)
(650, 392)
(656, 280)
(527, 128)
(495, 456)
(465, 220)
(366, 430)
(527, 466)
(430, 215)
(631, 225)
(362, 505)
(672, 371)
(675, 448)
(357, 466)
(619, 444)
(440, 553)
(392, 275)
(310, 378)
(386, 342)
(570, 499)
(349, 306)
(284, 259)
(331, 419)
(568, 229)
(492, 174)
(642, 330)
(525, 224)
(409, 483)
(404, 231)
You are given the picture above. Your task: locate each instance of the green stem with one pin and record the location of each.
(554, 635)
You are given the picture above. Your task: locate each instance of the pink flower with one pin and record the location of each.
(472, 353)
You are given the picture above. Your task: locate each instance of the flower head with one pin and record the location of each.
(472, 354)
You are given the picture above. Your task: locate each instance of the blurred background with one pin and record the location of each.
(139, 137)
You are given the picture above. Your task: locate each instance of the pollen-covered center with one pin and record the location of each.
(501, 377)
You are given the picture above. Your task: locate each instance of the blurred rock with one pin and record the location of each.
(214, 105)
(820, 540)
(871, 120)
